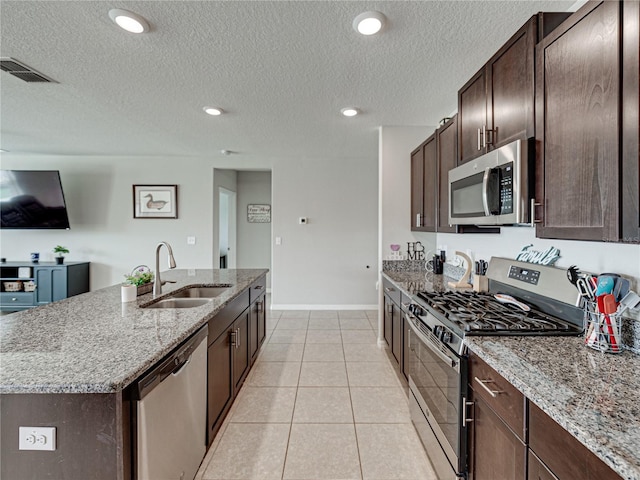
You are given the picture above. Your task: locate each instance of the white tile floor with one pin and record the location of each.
(322, 402)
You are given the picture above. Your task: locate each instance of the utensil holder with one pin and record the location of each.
(603, 332)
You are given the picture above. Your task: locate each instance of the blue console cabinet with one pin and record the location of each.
(53, 282)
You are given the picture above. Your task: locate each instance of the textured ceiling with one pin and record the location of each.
(281, 70)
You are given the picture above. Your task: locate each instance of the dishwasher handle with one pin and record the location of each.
(172, 364)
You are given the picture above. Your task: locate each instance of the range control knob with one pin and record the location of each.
(437, 330)
(446, 337)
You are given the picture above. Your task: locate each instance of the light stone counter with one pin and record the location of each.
(94, 343)
(593, 396)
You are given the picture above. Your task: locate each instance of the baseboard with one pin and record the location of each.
(324, 307)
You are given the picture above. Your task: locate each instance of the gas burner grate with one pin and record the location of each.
(481, 314)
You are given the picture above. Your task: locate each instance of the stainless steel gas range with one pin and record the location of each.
(523, 299)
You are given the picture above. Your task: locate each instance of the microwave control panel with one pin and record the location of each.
(506, 189)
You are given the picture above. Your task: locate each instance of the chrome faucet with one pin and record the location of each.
(157, 283)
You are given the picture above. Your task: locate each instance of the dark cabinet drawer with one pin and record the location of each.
(392, 292)
(224, 318)
(562, 453)
(506, 400)
(257, 288)
(538, 470)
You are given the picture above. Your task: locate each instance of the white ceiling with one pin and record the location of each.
(281, 70)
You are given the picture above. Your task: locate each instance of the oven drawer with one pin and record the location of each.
(503, 398)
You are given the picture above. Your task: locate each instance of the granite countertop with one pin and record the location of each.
(593, 396)
(94, 343)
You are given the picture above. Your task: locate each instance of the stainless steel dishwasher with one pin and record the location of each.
(171, 414)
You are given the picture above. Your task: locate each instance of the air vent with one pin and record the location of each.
(22, 71)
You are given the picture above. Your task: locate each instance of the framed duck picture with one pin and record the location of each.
(155, 201)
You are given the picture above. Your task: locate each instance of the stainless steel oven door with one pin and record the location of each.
(436, 383)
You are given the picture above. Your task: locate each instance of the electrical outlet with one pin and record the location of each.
(37, 438)
(191, 240)
(278, 240)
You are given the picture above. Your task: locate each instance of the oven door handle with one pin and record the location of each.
(451, 362)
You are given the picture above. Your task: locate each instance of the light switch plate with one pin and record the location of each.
(191, 240)
(37, 438)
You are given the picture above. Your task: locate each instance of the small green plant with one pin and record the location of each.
(139, 276)
(60, 250)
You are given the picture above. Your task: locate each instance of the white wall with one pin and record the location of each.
(595, 257)
(99, 197)
(254, 239)
(395, 146)
(322, 264)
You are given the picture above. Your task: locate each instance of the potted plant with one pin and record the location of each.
(142, 277)
(60, 250)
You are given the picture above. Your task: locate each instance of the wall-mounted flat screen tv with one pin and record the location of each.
(32, 199)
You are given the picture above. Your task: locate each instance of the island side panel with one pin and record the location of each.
(90, 436)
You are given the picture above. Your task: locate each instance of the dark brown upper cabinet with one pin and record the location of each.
(447, 136)
(496, 106)
(424, 186)
(587, 126)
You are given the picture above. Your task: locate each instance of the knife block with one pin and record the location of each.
(480, 283)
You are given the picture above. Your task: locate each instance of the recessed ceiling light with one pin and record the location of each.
(369, 23)
(215, 111)
(350, 111)
(129, 21)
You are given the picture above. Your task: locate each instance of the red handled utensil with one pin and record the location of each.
(607, 306)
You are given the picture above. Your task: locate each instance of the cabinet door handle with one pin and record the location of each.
(258, 287)
(493, 393)
(389, 289)
(233, 338)
(533, 212)
(238, 337)
(418, 220)
(389, 308)
(259, 306)
(465, 418)
(479, 138)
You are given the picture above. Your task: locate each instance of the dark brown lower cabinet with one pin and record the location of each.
(495, 452)
(257, 327)
(220, 386)
(388, 321)
(563, 454)
(538, 470)
(235, 336)
(240, 350)
(396, 321)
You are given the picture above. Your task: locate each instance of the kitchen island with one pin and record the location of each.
(591, 395)
(70, 364)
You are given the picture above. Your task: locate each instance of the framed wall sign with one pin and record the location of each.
(258, 213)
(155, 201)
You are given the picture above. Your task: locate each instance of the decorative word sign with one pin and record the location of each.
(258, 213)
(395, 253)
(415, 251)
(547, 257)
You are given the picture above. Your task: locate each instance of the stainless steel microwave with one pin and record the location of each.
(494, 189)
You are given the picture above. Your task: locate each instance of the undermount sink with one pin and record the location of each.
(179, 303)
(190, 297)
(201, 292)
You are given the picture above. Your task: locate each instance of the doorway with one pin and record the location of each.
(227, 227)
